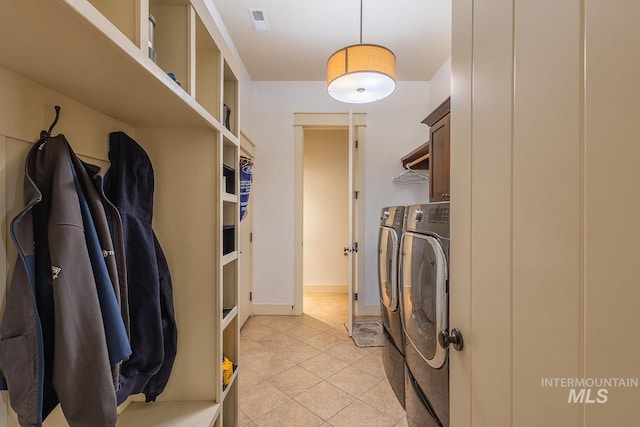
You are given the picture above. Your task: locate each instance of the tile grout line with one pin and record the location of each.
(278, 327)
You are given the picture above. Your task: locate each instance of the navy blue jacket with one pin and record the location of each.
(129, 184)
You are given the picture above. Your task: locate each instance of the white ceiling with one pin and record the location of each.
(304, 33)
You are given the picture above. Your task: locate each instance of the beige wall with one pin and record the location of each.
(545, 233)
(326, 209)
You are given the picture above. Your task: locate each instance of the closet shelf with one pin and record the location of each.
(228, 197)
(114, 74)
(170, 414)
(226, 320)
(230, 385)
(231, 256)
(230, 137)
(418, 158)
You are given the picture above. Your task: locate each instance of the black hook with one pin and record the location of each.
(46, 134)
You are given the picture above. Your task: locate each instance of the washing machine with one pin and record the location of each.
(424, 303)
(391, 223)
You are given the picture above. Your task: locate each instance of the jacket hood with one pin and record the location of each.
(129, 181)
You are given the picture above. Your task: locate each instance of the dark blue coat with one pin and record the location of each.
(129, 184)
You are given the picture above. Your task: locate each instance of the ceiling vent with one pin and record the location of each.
(259, 19)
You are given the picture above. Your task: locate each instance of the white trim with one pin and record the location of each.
(273, 310)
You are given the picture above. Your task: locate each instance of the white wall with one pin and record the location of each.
(440, 85)
(393, 130)
(326, 210)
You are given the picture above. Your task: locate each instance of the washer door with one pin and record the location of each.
(424, 295)
(388, 267)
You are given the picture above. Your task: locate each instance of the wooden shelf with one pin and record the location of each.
(114, 76)
(230, 384)
(170, 414)
(226, 320)
(418, 158)
(228, 197)
(231, 256)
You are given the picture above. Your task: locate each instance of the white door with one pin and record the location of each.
(356, 133)
(245, 305)
(355, 123)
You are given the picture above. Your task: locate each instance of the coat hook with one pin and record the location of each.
(47, 133)
(57, 107)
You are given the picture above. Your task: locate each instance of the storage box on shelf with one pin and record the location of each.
(99, 65)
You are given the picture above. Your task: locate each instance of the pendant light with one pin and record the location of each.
(361, 73)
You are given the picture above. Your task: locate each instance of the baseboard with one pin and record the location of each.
(273, 309)
(326, 289)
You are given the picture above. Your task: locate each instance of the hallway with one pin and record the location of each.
(304, 371)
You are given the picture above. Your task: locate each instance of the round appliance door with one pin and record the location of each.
(388, 267)
(424, 295)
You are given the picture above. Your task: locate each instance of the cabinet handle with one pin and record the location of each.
(445, 195)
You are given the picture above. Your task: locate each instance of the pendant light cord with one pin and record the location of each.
(360, 21)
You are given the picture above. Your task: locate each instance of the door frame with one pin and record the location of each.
(304, 121)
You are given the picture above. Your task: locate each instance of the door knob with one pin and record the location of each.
(455, 338)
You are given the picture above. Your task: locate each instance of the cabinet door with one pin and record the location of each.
(439, 169)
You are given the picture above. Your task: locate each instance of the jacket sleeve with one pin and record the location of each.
(158, 382)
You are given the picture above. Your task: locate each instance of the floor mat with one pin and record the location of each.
(367, 333)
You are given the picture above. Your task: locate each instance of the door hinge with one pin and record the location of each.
(355, 247)
(250, 296)
(356, 144)
(355, 296)
(356, 194)
(251, 236)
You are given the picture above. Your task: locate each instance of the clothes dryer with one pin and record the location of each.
(424, 274)
(391, 223)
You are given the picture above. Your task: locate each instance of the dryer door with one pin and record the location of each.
(424, 295)
(388, 267)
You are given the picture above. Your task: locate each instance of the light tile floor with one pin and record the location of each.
(305, 371)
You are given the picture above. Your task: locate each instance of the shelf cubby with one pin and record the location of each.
(123, 14)
(207, 75)
(230, 341)
(171, 39)
(229, 279)
(230, 405)
(230, 100)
